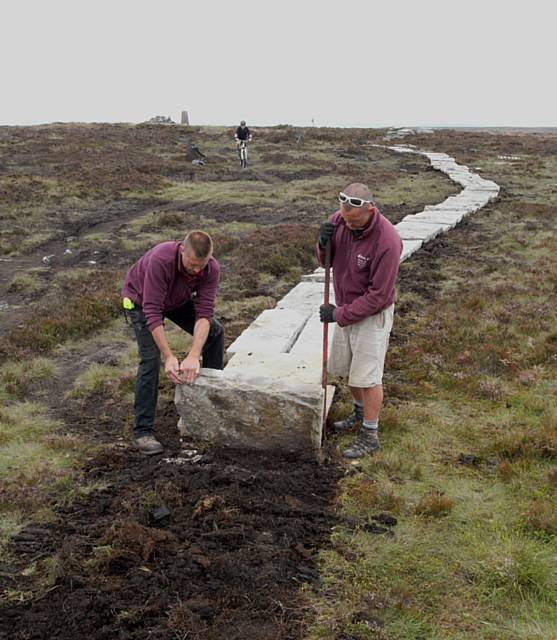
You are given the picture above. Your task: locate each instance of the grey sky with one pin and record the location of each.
(374, 63)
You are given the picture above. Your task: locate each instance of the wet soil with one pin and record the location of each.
(187, 545)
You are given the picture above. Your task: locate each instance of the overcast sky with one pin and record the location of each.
(344, 63)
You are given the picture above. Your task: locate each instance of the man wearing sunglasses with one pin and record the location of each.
(365, 256)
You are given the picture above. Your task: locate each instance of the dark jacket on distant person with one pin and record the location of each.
(243, 133)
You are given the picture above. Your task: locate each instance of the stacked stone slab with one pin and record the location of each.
(269, 396)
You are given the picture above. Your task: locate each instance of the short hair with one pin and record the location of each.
(200, 243)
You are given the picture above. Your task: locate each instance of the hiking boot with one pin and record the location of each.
(366, 442)
(354, 420)
(148, 445)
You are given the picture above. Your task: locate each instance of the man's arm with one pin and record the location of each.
(171, 366)
(190, 365)
(380, 288)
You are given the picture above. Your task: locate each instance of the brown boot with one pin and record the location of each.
(148, 445)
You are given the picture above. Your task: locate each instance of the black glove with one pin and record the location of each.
(326, 231)
(327, 313)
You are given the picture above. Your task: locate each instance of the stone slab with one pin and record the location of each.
(255, 413)
(317, 276)
(304, 297)
(273, 331)
(409, 247)
(423, 231)
(284, 368)
(449, 218)
(310, 342)
(432, 219)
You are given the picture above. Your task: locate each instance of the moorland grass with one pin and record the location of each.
(469, 448)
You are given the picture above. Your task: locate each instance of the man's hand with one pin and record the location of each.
(190, 369)
(172, 369)
(327, 313)
(326, 231)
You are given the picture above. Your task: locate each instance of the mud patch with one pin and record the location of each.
(227, 559)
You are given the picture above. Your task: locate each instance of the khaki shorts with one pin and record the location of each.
(358, 351)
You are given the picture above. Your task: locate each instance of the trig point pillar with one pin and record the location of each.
(185, 118)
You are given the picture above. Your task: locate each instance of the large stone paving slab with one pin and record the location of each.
(275, 405)
(419, 230)
(273, 331)
(410, 247)
(306, 296)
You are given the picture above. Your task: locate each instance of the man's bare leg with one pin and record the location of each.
(371, 399)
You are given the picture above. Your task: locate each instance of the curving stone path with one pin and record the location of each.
(269, 395)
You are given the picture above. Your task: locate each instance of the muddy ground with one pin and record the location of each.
(199, 543)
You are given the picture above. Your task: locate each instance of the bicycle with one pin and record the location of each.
(243, 153)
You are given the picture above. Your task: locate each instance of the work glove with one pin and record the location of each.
(327, 313)
(326, 231)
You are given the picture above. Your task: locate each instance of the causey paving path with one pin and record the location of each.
(269, 396)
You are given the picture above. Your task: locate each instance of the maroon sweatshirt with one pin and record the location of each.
(158, 282)
(365, 269)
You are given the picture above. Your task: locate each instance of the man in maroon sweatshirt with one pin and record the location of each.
(178, 281)
(365, 256)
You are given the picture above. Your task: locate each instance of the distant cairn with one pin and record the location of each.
(160, 120)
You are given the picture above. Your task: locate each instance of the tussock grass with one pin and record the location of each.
(35, 453)
(16, 378)
(24, 447)
(26, 282)
(95, 379)
(85, 306)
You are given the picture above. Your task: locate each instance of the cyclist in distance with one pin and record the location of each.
(242, 133)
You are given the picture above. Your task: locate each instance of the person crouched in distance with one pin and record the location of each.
(242, 134)
(365, 256)
(177, 281)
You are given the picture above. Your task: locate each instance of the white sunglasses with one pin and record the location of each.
(352, 201)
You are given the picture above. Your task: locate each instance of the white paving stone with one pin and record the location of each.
(434, 219)
(423, 231)
(449, 218)
(268, 406)
(409, 247)
(305, 297)
(273, 331)
(317, 276)
(309, 343)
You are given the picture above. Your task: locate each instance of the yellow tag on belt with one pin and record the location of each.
(128, 304)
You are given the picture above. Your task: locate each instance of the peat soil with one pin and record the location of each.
(185, 545)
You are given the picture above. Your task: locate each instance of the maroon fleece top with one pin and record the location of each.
(365, 268)
(158, 282)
